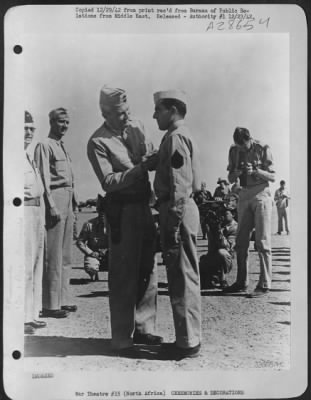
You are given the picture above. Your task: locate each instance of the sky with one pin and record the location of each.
(230, 80)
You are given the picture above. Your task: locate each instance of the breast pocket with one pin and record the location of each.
(61, 165)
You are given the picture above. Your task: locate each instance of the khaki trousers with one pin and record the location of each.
(183, 274)
(132, 276)
(34, 244)
(58, 255)
(254, 211)
(282, 214)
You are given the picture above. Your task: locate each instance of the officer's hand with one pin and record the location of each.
(55, 215)
(95, 254)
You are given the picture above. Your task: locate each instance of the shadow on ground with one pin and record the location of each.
(59, 346)
(100, 293)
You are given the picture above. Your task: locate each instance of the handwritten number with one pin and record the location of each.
(238, 25)
(231, 23)
(267, 21)
(249, 26)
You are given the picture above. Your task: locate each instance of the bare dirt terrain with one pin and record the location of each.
(237, 332)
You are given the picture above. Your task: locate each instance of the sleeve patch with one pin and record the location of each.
(177, 160)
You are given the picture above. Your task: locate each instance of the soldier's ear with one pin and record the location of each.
(174, 110)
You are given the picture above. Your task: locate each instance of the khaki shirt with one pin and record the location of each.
(55, 166)
(33, 188)
(259, 154)
(281, 197)
(177, 174)
(116, 158)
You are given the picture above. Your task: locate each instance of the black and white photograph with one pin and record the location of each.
(155, 214)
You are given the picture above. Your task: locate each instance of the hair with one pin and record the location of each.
(54, 114)
(241, 135)
(282, 182)
(180, 106)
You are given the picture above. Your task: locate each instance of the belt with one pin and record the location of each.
(32, 202)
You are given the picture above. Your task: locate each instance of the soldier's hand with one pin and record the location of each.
(55, 214)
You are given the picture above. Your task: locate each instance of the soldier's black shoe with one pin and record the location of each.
(28, 329)
(72, 308)
(54, 313)
(127, 352)
(179, 353)
(147, 338)
(235, 288)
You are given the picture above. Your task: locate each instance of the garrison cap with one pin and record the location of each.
(170, 94)
(111, 98)
(28, 118)
(57, 113)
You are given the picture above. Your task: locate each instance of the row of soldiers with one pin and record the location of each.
(122, 157)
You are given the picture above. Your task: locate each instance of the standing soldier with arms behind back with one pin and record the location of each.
(118, 152)
(251, 162)
(55, 167)
(175, 180)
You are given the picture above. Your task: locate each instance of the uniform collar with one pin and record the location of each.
(57, 140)
(175, 125)
(115, 132)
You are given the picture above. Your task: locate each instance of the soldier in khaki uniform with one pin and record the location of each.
(55, 166)
(175, 180)
(34, 234)
(118, 152)
(251, 162)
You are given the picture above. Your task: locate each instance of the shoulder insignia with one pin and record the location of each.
(177, 160)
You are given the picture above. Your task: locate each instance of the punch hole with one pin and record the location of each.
(17, 49)
(17, 201)
(16, 355)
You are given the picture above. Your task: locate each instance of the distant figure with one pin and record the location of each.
(54, 164)
(217, 263)
(93, 242)
(281, 199)
(252, 162)
(222, 190)
(200, 197)
(33, 234)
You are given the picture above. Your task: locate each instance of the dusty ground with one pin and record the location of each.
(237, 332)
